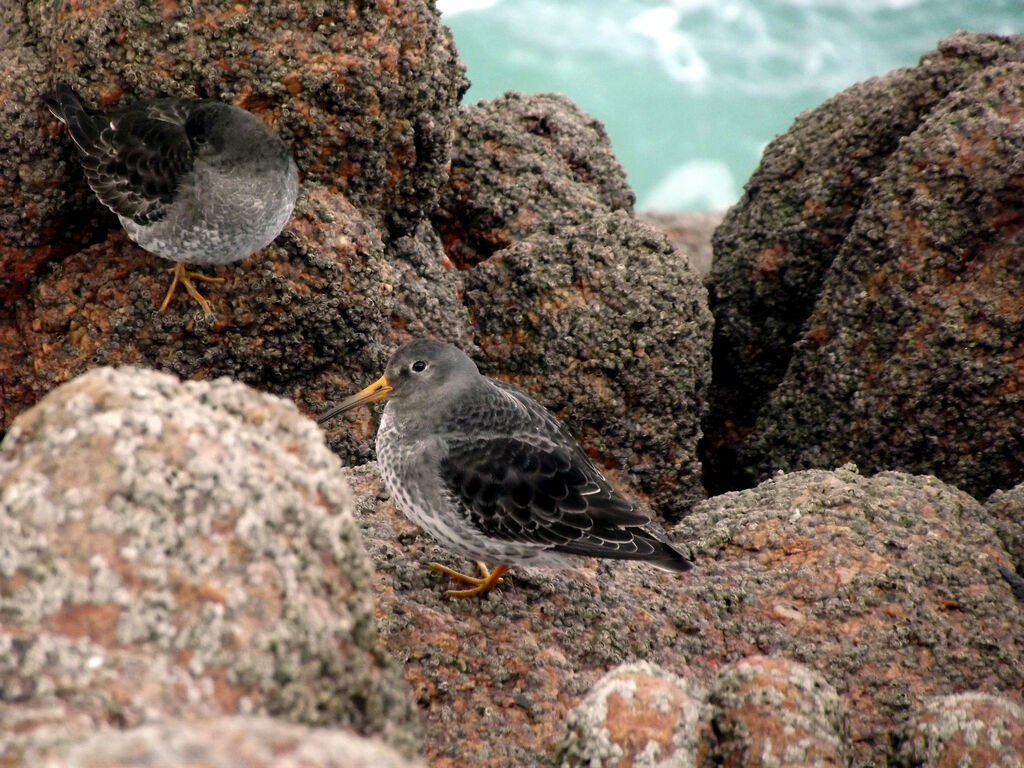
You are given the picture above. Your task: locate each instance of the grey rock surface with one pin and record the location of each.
(225, 742)
(775, 712)
(690, 232)
(778, 244)
(911, 357)
(1005, 511)
(888, 587)
(970, 728)
(525, 163)
(636, 715)
(175, 549)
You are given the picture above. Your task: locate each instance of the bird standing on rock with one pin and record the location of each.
(196, 181)
(492, 474)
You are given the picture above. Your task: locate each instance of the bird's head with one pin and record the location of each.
(418, 376)
(224, 132)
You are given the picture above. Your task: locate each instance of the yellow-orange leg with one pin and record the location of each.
(488, 580)
(183, 276)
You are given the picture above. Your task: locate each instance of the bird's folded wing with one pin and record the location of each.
(524, 488)
(135, 160)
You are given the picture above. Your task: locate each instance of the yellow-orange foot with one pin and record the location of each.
(183, 276)
(487, 581)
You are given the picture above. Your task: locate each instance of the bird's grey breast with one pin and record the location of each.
(408, 461)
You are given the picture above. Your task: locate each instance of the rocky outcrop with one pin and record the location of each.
(963, 729)
(865, 290)
(523, 164)
(173, 554)
(887, 588)
(608, 327)
(382, 245)
(365, 100)
(775, 712)
(637, 714)
(187, 551)
(225, 742)
(1006, 515)
(689, 232)
(305, 313)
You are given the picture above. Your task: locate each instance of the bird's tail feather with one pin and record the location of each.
(82, 126)
(629, 543)
(668, 558)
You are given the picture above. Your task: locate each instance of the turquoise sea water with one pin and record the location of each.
(692, 90)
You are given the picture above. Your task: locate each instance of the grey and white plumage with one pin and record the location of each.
(196, 181)
(492, 474)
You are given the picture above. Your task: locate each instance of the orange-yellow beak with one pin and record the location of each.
(379, 390)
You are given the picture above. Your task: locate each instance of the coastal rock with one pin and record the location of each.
(1005, 513)
(525, 163)
(690, 232)
(776, 247)
(225, 742)
(608, 327)
(963, 729)
(304, 318)
(32, 226)
(887, 587)
(637, 715)
(775, 712)
(181, 550)
(911, 357)
(364, 94)
(428, 291)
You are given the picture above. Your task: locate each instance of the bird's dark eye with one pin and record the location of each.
(418, 366)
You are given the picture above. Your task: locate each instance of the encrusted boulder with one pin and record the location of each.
(522, 164)
(182, 550)
(886, 588)
(224, 742)
(607, 326)
(876, 236)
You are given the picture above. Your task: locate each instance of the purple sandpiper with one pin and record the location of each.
(493, 475)
(196, 181)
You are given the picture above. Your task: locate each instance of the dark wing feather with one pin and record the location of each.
(536, 485)
(135, 159)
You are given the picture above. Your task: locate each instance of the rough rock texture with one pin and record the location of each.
(1006, 514)
(525, 163)
(428, 291)
(305, 316)
(967, 729)
(775, 712)
(32, 199)
(888, 587)
(364, 92)
(1004, 511)
(181, 550)
(636, 715)
(606, 325)
(225, 742)
(912, 357)
(690, 232)
(953, 208)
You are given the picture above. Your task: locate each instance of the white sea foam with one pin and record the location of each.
(694, 185)
(699, 86)
(677, 52)
(451, 7)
